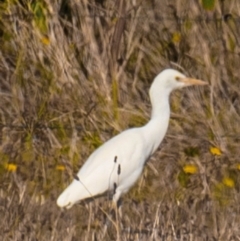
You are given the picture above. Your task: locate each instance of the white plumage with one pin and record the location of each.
(118, 163)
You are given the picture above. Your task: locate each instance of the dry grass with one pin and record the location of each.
(73, 74)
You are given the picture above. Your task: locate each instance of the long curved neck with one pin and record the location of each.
(156, 128)
(160, 106)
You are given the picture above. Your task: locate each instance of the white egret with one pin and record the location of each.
(117, 164)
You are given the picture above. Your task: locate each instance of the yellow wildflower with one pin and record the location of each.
(176, 37)
(190, 169)
(238, 166)
(60, 167)
(229, 182)
(215, 151)
(10, 167)
(45, 40)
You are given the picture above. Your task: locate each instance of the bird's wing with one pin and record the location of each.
(117, 163)
(113, 161)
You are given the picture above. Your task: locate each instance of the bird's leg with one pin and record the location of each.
(115, 213)
(118, 213)
(118, 226)
(114, 219)
(119, 208)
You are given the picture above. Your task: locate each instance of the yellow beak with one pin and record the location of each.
(191, 81)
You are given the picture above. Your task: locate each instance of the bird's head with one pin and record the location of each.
(168, 80)
(171, 79)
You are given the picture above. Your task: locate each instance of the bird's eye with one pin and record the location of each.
(177, 78)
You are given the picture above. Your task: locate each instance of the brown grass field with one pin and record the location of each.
(75, 73)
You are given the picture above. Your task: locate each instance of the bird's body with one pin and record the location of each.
(118, 163)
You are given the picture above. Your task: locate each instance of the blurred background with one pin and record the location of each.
(75, 73)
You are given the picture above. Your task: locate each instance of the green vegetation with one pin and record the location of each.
(66, 88)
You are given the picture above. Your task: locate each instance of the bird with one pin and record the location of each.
(118, 163)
